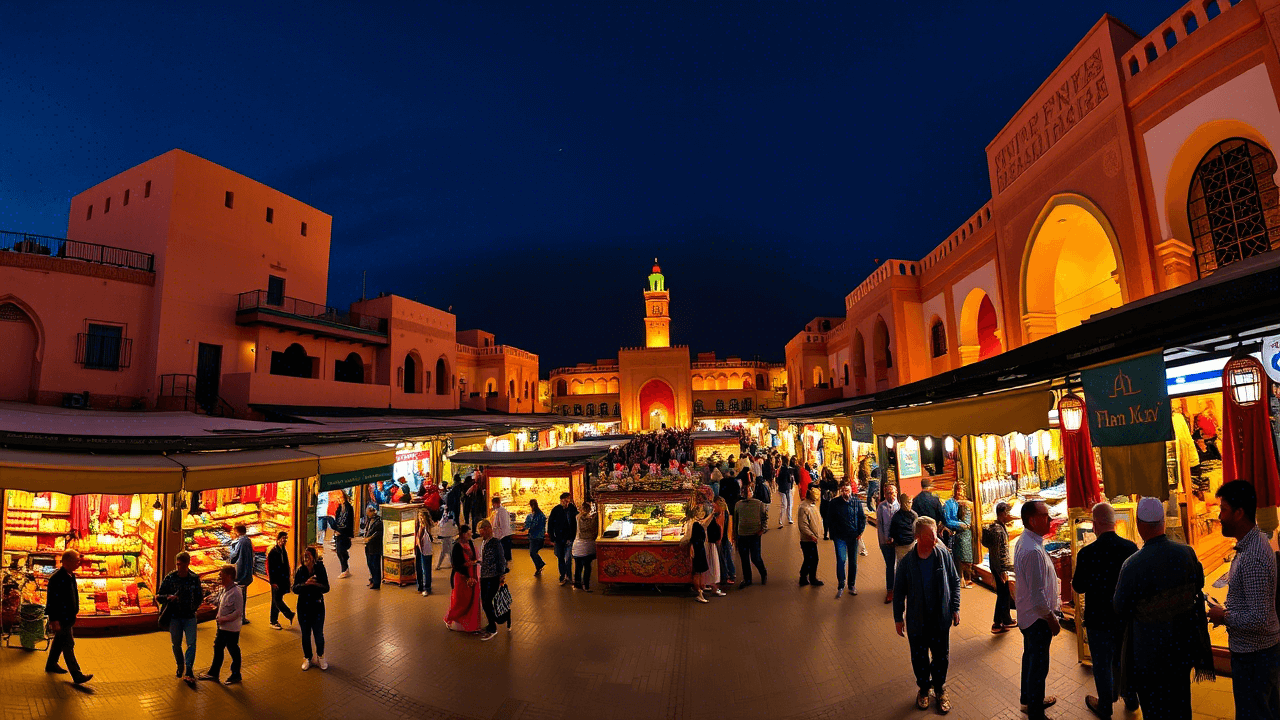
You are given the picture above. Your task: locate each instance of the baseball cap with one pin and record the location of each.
(1150, 510)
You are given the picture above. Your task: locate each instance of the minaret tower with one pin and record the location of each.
(657, 316)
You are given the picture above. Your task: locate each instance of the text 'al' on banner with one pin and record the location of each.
(1127, 402)
(337, 481)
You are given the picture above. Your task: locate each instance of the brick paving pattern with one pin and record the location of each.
(774, 651)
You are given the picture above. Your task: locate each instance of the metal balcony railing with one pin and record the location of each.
(103, 352)
(76, 250)
(267, 300)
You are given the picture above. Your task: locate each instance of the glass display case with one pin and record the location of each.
(643, 521)
(516, 492)
(399, 520)
(640, 535)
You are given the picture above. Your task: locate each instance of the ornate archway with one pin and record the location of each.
(19, 344)
(657, 403)
(979, 328)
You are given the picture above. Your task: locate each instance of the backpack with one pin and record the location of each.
(989, 537)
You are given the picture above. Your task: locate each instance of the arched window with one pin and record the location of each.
(442, 377)
(411, 374)
(719, 406)
(562, 388)
(938, 338)
(760, 382)
(696, 383)
(617, 410)
(591, 410)
(612, 386)
(526, 389)
(589, 387)
(746, 404)
(1234, 205)
(577, 409)
(846, 373)
(698, 407)
(604, 409)
(490, 387)
(350, 370)
(733, 405)
(293, 362)
(511, 388)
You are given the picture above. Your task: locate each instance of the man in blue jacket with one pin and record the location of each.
(845, 522)
(242, 558)
(927, 586)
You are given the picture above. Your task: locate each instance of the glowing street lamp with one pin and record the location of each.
(1071, 412)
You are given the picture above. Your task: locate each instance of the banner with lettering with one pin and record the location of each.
(860, 429)
(1127, 403)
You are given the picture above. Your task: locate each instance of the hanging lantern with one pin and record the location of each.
(949, 444)
(1046, 442)
(157, 510)
(928, 442)
(1071, 412)
(888, 442)
(1244, 377)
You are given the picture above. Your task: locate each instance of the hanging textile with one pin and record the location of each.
(271, 492)
(1247, 453)
(80, 514)
(1135, 470)
(1078, 469)
(251, 494)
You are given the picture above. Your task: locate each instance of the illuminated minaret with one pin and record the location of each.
(657, 316)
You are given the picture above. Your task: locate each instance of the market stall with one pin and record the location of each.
(641, 524)
(705, 444)
(399, 521)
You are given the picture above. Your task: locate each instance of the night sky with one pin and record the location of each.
(524, 165)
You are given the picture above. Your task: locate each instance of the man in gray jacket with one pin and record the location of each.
(242, 558)
(927, 587)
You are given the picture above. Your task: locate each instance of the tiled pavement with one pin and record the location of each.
(774, 651)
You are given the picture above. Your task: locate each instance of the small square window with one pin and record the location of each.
(146, 191)
(126, 197)
(89, 215)
(230, 200)
(271, 214)
(304, 229)
(106, 207)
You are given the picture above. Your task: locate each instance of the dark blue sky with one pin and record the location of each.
(525, 164)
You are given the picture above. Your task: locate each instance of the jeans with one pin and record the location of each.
(726, 560)
(582, 571)
(846, 553)
(1256, 680)
(178, 629)
(749, 553)
(563, 558)
(890, 560)
(323, 522)
(784, 507)
(506, 548)
(311, 622)
(230, 641)
(1035, 666)
(64, 645)
(244, 602)
(488, 590)
(930, 673)
(809, 566)
(873, 489)
(342, 548)
(535, 546)
(277, 604)
(446, 551)
(375, 569)
(1003, 600)
(1104, 648)
(424, 571)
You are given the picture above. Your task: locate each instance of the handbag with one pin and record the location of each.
(166, 615)
(502, 600)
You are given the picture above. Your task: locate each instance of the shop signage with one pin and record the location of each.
(909, 458)
(1271, 357)
(860, 429)
(411, 455)
(1127, 403)
(337, 481)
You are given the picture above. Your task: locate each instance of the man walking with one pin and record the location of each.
(62, 605)
(847, 521)
(344, 528)
(501, 519)
(562, 528)
(1038, 603)
(373, 547)
(884, 516)
(1253, 633)
(750, 518)
(786, 486)
(182, 593)
(1159, 604)
(996, 541)
(230, 612)
(280, 575)
(242, 557)
(926, 604)
(926, 504)
(1097, 567)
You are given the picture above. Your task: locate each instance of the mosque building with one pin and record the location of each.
(660, 385)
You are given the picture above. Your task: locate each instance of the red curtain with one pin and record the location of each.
(1078, 468)
(1247, 451)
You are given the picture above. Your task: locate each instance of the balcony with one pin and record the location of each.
(28, 244)
(496, 350)
(261, 307)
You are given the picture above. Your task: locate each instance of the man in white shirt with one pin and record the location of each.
(229, 620)
(501, 520)
(1038, 602)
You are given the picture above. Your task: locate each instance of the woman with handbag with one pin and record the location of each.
(493, 575)
(584, 547)
(464, 584)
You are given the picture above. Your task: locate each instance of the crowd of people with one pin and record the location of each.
(659, 447)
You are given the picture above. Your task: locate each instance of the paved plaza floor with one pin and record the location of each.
(774, 651)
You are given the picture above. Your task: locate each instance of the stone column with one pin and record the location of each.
(1176, 258)
(1037, 325)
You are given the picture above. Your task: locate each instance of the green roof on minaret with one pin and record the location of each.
(656, 282)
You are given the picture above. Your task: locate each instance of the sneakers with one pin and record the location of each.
(487, 635)
(944, 703)
(839, 592)
(344, 574)
(426, 593)
(700, 599)
(853, 591)
(324, 664)
(923, 699)
(306, 663)
(276, 626)
(719, 592)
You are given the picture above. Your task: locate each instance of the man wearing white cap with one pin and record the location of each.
(1159, 601)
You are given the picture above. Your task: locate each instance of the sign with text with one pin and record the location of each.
(1271, 357)
(1127, 403)
(909, 458)
(337, 481)
(860, 429)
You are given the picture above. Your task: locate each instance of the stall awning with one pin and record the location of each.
(213, 470)
(1023, 410)
(76, 474)
(350, 457)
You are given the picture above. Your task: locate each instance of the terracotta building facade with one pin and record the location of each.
(1141, 163)
(184, 285)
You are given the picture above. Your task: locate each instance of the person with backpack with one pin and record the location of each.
(995, 538)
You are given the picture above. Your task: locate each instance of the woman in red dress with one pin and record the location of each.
(464, 599)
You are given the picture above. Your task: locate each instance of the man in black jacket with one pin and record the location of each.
(562, 528)
(1097, 569)
(926, 504)
(280, 575)
(61, 607)
(373, 548)
(453, 498)
(845, 522)
(344, 528)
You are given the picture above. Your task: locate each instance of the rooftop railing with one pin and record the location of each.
(266, 300)
(75, 250)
